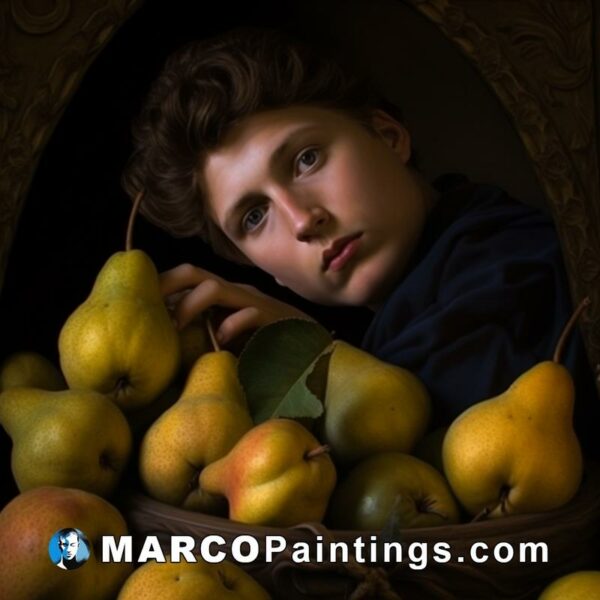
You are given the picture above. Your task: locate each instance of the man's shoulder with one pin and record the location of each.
(469, 217)
(463, 200)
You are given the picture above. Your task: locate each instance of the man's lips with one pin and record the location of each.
(340, 252)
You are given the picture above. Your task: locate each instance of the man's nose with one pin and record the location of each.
(307, 217)
(311, 223)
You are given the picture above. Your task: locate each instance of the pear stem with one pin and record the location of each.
(568, 327)
(211, 333)
(132, 215)
(317, 451)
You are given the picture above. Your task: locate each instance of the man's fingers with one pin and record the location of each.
(173, 299)
(209, 292)
(183, 277)
(201, 298)
(238, 322)
(190, 291)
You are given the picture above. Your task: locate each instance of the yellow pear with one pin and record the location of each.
(371, 406)
(191, 581)
(277, 474)
(209, 417)
(396, 486)
(78, 439)
(121, 341)
(581, 585)
(517, 453)
(30, 369)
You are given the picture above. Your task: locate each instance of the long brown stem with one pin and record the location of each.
(132, 215)
(568, 327)
(211, 334)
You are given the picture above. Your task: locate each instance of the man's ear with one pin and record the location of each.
(393, 133)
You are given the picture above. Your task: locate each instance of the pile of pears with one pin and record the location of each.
(365, 460)
(133, 390)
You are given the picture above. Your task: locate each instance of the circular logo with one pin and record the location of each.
(69, 548)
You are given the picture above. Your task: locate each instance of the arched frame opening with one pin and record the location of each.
(538, 58)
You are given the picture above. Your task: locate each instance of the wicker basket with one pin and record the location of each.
(572, 534)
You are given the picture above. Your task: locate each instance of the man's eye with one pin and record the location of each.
(306, 160)
(253, 218)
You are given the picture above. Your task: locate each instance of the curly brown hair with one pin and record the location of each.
(204, 89)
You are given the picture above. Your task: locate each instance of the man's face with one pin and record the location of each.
(314, 198)
(69, 546)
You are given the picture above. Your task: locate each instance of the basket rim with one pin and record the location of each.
(587, 500)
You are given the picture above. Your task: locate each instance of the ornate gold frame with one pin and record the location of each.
(537, 55)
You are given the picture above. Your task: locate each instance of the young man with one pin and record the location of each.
(281, 159)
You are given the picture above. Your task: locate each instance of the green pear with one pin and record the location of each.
(517, 453)
(191, 581)
(30, 369)
(121, 340)
(391, 482)
(371, 406)
(580, 585)
(27, 526)
(277, 474)
(209, 417)
(77, 439)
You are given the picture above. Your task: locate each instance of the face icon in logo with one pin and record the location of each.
(68, 545)
(69, 549)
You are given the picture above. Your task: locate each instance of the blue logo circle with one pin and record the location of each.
(69, 548)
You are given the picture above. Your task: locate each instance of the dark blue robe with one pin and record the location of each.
(484, 298)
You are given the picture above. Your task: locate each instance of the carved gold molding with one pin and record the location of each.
(538, 57)
(45, 49)
(42, 20)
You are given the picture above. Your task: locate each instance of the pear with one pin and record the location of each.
(30, 369)
(580, 585)
(77, 439)
(392, 482)
(278, 474)
(371, 406)
(518, 452)
(191, 581)
(28, 523)
(121, 341)
(209, 417)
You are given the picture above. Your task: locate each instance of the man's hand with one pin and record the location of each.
(190, 290)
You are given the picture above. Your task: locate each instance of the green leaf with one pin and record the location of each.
(283, 369)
